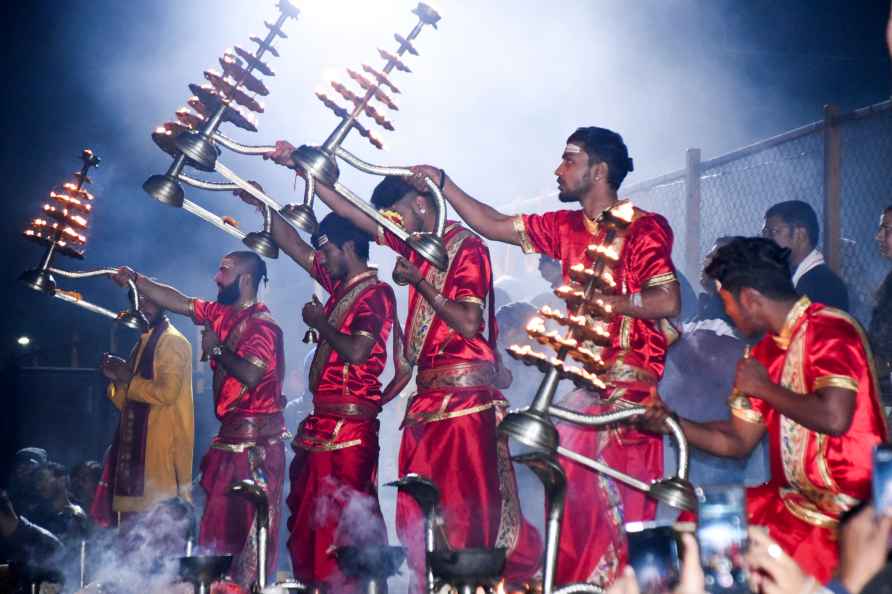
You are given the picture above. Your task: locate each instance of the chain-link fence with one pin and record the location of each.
(841, 166)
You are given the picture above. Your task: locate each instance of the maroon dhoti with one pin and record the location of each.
(450, 437)
(592, 546)
(245, 448)
(334, 496)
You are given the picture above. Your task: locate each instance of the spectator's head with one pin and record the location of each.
(85, 478)
(27, 462)
(884, 233)
(753, 278)
(341, 245)
(512, 320)
(594, 157)
(403, 204)
(551, 271)
(707, 283)
(52, 481)
(793, 225)
(151, 310)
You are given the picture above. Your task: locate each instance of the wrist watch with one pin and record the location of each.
(216, 351)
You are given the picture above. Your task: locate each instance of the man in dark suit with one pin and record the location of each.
(793, 224)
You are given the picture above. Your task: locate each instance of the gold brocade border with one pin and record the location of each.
(807, 514)
(745, 412)
(336, 317)
(521, 229)
(836, 381)
(422, 315)
(461, 375)
(238, 448)
(660, 279)
(329, 447)
(256, 361)
(442, 415)
(471, 299)
(510, 518)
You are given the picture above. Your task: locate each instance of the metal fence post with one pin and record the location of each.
(692, 215)
(832, 189)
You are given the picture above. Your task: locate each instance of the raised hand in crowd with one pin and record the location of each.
(771, 570)
(863, 548)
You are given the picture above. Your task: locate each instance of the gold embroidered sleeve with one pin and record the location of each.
(521, 230)
(836, 381)
(742, 408)
(660, 279)
(471, 299)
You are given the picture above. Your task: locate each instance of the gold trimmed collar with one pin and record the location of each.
(782, 340)
(358, 279)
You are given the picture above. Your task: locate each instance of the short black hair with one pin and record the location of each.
(391, 190)
(605, 146)
(255, 263)
(339, 231)
(754, 263)
(797, 213)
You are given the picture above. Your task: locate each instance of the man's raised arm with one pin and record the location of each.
(285, 236)
(165, 296)
(482, 218)
(335, 201)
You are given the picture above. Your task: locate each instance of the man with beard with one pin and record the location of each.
(150, 459)
(593, 165)
(809, 385)
(449, 431)
(247, 357)
(334, 496)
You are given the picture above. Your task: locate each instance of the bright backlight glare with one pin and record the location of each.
(23, 341)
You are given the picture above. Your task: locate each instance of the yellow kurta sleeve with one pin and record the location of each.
(172, 359)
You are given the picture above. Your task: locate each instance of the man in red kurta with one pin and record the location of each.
(334, 475)
(450, 431)
(644, 293)
(809, 384)
(246, 353)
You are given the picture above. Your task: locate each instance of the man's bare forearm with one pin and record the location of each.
(464, 318)
(287, 238)
(353, 349)
(717, 437)
(343, 207)
(655, 303)
(828, 410)
(164, 295)
(483, 218)
(243, 370)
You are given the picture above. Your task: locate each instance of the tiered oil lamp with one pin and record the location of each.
(230, 95)
(586, 321)
(62, 229)
(319, 163)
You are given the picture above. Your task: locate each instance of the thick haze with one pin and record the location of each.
(492, 97)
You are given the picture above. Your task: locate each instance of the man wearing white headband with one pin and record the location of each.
(644, 294)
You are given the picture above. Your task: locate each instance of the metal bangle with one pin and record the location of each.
(442, 183)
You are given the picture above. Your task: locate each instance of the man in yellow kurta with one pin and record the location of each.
(150, 459)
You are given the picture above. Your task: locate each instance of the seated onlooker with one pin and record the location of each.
(22, 540)
(880, 328)
(56, 512)
(84, 480)
(22, 486)
(550, 270)
(794, 225)
(512, 320)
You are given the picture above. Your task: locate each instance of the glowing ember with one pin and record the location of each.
(624, 211)
(603, 251)
(607, 278)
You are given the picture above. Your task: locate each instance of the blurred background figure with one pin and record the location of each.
(880, 328)
(83, 483)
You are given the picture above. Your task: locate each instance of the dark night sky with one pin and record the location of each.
(799, 54)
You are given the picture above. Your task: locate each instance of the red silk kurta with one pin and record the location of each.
(334, 493)
(815, 477)
(450, 433)
(592, 548)
(249, 443)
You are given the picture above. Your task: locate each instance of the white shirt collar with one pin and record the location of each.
(813, 259)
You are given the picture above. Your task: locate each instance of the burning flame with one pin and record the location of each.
(500, 587)
(624, 211)
(608, 279)
(536, 324)
(606, 251)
